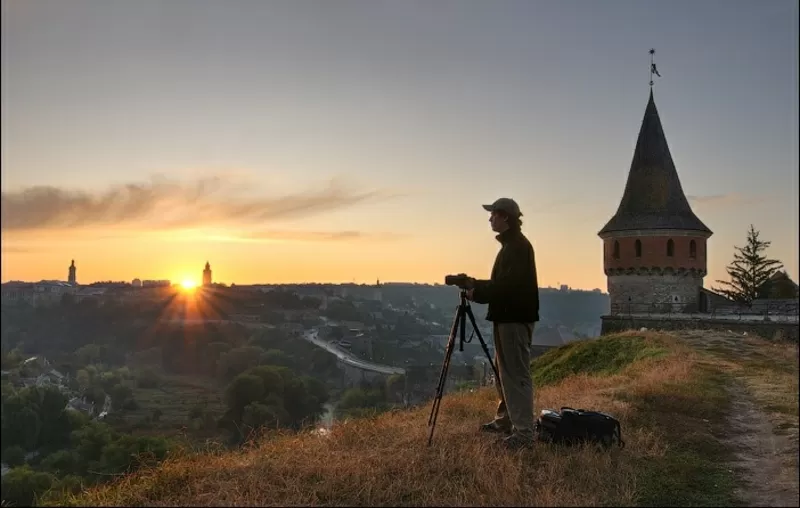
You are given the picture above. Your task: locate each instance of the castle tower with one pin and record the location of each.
(71, 278)
(654, 247)
(207, 275)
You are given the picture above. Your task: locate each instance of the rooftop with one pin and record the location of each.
(653, 197)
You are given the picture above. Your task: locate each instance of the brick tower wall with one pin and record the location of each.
(655, 276)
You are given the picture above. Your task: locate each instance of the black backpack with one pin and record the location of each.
(576, 426)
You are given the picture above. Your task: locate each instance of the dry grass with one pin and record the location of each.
(385, 460)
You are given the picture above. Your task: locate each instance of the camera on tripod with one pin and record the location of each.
(462, 281)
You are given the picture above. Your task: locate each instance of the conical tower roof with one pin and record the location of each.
(653, 197)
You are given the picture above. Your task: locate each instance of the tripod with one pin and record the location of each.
(459, 327)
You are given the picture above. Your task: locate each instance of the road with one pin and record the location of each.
(347, 358)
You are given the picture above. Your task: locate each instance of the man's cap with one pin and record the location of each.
(506, 205)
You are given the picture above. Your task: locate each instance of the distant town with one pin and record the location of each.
(50, 292)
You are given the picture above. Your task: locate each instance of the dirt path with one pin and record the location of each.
(763, 420)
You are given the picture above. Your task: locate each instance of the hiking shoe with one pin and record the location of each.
(517, 441)
(496, 428)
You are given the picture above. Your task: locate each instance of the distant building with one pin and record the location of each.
(207, 275)
(156, 283)
(71, 278)
(90, 293)
(779, 286)
(654, 247)
(109, 284)
(136, 283)
(42, 293)
(17, 292)
(81, 405)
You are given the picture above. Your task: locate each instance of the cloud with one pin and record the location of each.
(16, 249)
(729, 199)
(164, 204)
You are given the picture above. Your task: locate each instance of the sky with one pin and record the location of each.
(349, 141)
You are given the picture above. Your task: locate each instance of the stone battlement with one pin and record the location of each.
(777, 327)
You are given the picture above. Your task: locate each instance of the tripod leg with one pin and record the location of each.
(437, 398)
(469, 313)
(443, 376)
(463, 331)
(445, 364)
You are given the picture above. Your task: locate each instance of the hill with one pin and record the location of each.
(708, 418)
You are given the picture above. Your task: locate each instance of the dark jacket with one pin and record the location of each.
(513, 291)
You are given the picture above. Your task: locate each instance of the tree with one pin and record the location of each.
(238, 360)
(56, 425)
(88, 354)
(21, 486)
(22, 427)
(270, 414)
(121, 395)
(244, 389)
(272, 378)
(395, 386)
(89, 442)
(361, 401)
(60, 462)
(83, 380)
(749, 270)
(14, 456)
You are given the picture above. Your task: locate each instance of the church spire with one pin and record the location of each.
(71, 276)
(207, 274)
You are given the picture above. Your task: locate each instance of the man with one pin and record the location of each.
(512, 294)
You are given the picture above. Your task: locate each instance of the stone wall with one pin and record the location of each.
(768, 329)
(666, 288)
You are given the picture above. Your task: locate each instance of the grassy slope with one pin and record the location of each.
(670, 399)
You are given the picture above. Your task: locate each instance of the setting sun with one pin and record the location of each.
(188, 284)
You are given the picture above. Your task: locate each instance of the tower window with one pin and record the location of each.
(638, 248)
(693, 249)
(616, 249)
(670, 248)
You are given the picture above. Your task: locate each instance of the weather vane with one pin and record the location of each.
(653, 69)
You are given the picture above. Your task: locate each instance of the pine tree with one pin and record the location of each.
(749, 270)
